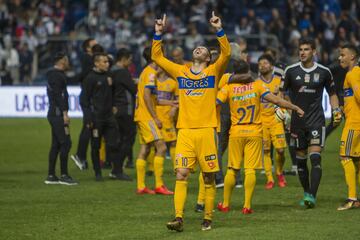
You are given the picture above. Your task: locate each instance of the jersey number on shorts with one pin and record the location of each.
(243, 112)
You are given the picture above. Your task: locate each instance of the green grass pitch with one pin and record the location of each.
(29, 209)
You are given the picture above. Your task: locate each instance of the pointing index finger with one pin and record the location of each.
(213, 13)
(164, 19)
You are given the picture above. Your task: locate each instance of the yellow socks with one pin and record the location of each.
(158, 171)
(150, 159)
(249, 185)
(229, 183)
(268, 167)
(180, 197)
(172, 155)
(350, 177)
(140, 173)
(280, 160)
(210, 192)
(201, 195)
(102, 151)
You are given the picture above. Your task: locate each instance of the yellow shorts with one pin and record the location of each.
(275, 135)
(197, 145)
(148, 132)
(245, 149)
(168, 131)
(350, 143)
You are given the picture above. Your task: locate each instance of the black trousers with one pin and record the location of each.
(84, 140)
(127, 132)
(60, 144)
(108, 128)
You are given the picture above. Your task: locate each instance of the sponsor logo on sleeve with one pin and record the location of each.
(210, 157)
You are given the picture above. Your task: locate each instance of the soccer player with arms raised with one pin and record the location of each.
(350, 138)
(197, 119)
(305, 81)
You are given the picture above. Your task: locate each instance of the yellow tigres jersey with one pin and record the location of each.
(147, 79)
(166, 90)
(268, 108)
(223, 81)
(352, 99)
(245, 102)
(197, 91)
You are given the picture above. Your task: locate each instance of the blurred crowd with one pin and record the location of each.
(32, 30)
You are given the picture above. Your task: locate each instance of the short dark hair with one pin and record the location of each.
(97, 56)
(241, 67)
(123, 53)
(272, 50)
(97, 48)
(352, 48)
(59, 56)
(307, 41)
(147, 54)
(267, 57)
(86, 44)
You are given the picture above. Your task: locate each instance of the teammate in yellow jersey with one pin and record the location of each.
(197, 119)
(350, 138)
(149, 126)
(167, 91)
(245, 141)
(273, 129)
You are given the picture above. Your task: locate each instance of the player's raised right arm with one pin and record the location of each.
(156, 51)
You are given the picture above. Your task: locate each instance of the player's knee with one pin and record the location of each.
(67, 145)
(182, 174)
(315, 159)
(209, 178)
(280, 151)
(232, 171)
(249, 171)
(301, 163)
(160, 147)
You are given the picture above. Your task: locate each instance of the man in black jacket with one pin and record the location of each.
(98, 97)
(59, 120)
(86, 65)
(124, 103)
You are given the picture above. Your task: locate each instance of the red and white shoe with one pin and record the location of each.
(246, 211)
(163, 190)
(145, 190)
(269, 185)
(281, 180)
(223, 209)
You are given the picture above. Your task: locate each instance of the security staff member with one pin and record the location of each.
(124, 102)
(86, 65)
(98, 88)
(59, 120)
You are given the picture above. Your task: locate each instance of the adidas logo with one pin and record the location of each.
(298, 78)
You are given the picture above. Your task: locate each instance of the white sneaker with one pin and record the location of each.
(77, 162)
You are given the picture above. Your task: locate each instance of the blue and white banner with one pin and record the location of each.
(33, 102)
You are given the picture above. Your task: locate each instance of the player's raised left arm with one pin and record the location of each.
(225, 49)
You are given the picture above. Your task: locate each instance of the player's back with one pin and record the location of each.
(166, 90)
(147, 79)
(351, 105)
(244, 100)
